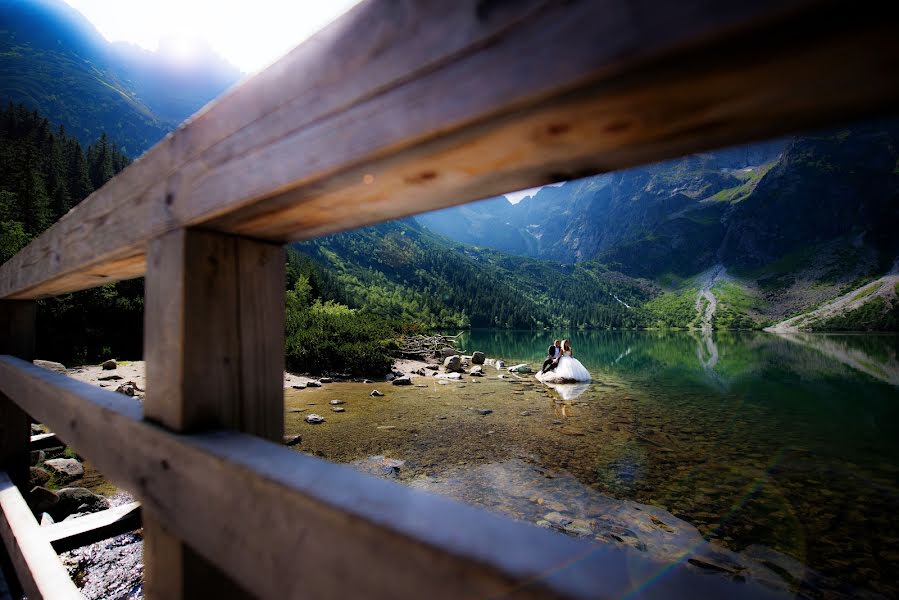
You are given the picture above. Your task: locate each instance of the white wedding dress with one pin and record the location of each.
(569, 370)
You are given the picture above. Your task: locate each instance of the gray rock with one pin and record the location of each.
(419, 372)
(404, 380)
(37, 477)
(376, 393)
(389, 377)
(478, 358)
(452, 364)
(484, 411)
(110, 378)
(313, 383)
(109, 365)
(432, 367)
(454, 376)
(522, 368)
(40, 499)
(127, 388)
(299, 386)
(557, 518)
(525, 413)
(500, 364)
(292, 440)
(477, 371)
(37, 456)
(367, 381)
(338, 409)
(68, 468)
(447, 352)
(50, 366)
(326, 380)
(314, 419)
(46, 519)
(579, 527)
(77, 500)
(336, 402)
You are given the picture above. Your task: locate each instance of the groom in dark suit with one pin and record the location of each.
(552, 356)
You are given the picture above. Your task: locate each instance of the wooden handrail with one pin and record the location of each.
(399, 108)
(256, 510)
(37, 567)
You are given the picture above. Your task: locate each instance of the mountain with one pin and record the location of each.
(757, 233)
(53, 60)
(404, 271)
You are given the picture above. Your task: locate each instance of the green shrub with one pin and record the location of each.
(332, 338)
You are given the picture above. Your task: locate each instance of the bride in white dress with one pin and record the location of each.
(569, 369)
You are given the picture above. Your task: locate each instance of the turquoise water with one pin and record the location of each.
(785, 441)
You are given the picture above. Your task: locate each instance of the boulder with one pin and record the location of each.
(452, 364)
(500, 364)
(376, 393)
(77, 500)
(476, 371)
(314, 419)
(40, 499)
(292, 440)
(432, 367)
(67, 468)
(522, 368)
(38, 456)
(313, 383)
(447, 352)
(419, 372)
(51, 366)
(109, 365)
(38, 477)
(404, 380)
(455, 376)
(478, 358)
(299, 386)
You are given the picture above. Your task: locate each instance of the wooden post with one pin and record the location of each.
(214, 349)
(17, 319)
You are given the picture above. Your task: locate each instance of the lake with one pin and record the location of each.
(784, 441)
(759, 457)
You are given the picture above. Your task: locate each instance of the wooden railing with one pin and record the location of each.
(394, 109)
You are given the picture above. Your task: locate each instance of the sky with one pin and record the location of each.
(250, 35)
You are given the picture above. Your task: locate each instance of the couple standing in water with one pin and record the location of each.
(560, 364)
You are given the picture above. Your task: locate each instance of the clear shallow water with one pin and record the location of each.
(788, 442)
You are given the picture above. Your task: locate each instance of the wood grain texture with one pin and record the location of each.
(288, 525)
(214, 350)
(214, 333)
(499, 96)
(17, 333)
(37, 566)
(96, 527)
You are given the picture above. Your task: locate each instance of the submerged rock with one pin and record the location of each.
(476, 371)
(299, 386)
(292, 440)
(376, 393)
(325, 380)
(338, 409)
(378, 465)
(314, 419)
(313, 383)
(484, 411)
(522, 368)
(337, 402)
(404, 380)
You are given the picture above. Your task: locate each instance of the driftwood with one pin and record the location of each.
(424, 346)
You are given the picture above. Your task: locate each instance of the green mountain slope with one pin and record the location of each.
(404, 271)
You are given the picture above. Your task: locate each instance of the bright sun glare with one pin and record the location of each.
(250, 35)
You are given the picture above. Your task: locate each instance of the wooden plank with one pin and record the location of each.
(381, 115)
(36, 564)
(288, 525)
(214, 346)
(17, 331)
(96, 527)
(45, 440)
